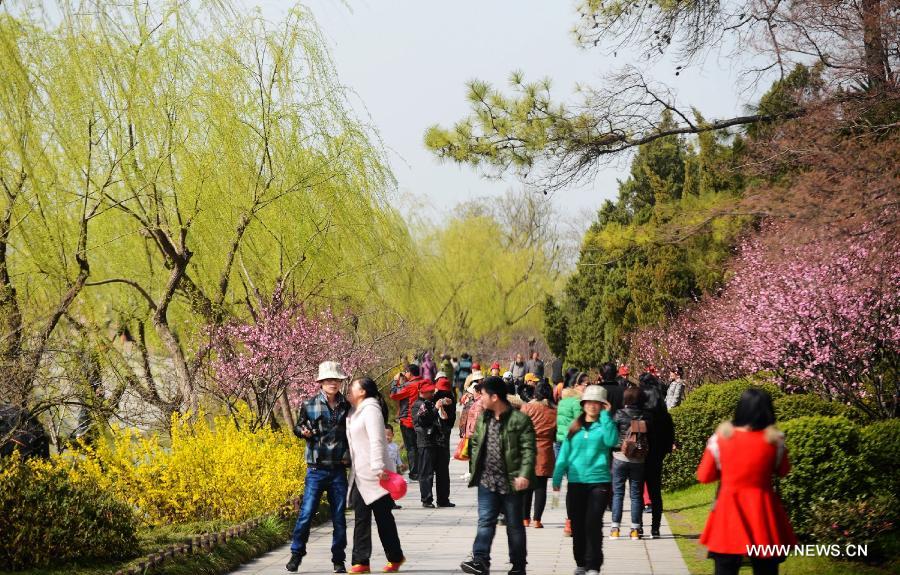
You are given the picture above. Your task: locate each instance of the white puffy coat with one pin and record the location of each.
(368, 449)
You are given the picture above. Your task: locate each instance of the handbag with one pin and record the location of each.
(462, 450)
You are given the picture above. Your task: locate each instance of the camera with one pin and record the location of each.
(429, 404)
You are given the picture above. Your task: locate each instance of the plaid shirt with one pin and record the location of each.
(328, 446)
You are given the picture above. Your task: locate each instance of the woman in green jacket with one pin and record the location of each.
(584, 458)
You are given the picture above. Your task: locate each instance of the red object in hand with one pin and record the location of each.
(395, 485)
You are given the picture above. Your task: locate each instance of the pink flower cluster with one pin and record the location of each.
(820, 315)
(280, 352)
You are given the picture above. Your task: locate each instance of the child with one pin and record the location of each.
(394, 454)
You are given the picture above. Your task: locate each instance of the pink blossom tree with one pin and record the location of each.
(276, 356)
(823, 316)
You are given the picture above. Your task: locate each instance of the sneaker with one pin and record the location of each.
(654, 534)
(474, 567)
(428, 505)
(294, 563)
(526, 522)
(501, 520)
(516, 571)
(393, 566)
(397, 506)
(614, 533)
(446, 504)
(567, 530)
(648, 509)
(579, 571)
(537, 524)
(635, 535)
(592, 572)
(360, 569)
(339, 567)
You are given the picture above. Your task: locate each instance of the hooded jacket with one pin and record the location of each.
(405, 395)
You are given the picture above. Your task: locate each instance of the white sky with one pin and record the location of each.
(409, 60)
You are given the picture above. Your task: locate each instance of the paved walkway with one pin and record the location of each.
(437, 540)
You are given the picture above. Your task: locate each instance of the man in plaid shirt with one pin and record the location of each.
(322, 423)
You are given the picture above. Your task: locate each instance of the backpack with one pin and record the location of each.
(636, 445)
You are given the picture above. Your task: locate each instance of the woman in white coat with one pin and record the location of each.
(370, 464)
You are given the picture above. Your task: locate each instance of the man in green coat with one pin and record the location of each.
(502, 454)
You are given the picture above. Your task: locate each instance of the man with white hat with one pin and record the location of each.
(322, 423)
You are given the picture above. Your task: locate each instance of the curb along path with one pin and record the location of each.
(437, 540)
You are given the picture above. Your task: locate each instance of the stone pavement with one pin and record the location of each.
(437, 540)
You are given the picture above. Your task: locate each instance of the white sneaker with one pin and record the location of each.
(592, 572)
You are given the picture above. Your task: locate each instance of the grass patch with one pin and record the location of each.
(687, 510)
(224, 558)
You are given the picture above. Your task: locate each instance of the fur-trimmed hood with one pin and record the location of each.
(771, 433)
(570, 392)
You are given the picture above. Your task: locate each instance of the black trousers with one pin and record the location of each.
(653, 479)
(539, 494)
(362, 529)
(731, 564)
(434, 472)
(585, 504)
(412, 452)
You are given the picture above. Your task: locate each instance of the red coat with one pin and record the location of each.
(747, 511)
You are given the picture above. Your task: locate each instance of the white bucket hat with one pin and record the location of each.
(332, 370)
(474, 378)
(594, 393)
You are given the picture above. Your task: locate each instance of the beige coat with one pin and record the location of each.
(368, 449)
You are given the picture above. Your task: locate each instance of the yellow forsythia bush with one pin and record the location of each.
(210, 471)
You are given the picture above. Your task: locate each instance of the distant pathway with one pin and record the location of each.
(437, 540)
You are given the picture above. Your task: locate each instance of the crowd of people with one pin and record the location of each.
(523, 432)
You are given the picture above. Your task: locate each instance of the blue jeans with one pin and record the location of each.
(334, 482)
(634, 474)
(489, 507)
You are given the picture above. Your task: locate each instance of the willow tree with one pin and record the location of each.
(164, 167)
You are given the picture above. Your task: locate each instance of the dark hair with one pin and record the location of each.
(494, 385)
(648, 378)
(577, 425)
(609, 372)
(413, 369)
(543, 391)
(678, 369)
(370, 388)
(570, 374)
(581, 375)
(754, 409)
(633, 396)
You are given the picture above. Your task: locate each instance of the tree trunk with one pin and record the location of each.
(877, 68)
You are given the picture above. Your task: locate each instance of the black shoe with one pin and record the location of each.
(397, 506)
(413, 477)
(428, 505)
(648, 509)
(339, 567)
(446, 504)
(515, 571)
(654, 533)
(294, 563)
(474, 567)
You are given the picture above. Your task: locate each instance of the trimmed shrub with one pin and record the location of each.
(880, 446)
(870, 521)
(826, 465)
(800, 405)
(48, 517)
(696, 419)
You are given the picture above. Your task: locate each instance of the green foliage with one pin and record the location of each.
(696, 419)
(826, 464)
(872, 521)
(799, 405)
(554, 328)
(658, 247)
(47, 517)
(880, 445)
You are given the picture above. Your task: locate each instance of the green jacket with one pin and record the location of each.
(567, 411)
(585, 458)
(516, 440)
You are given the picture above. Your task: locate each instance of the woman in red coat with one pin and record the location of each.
(743, 455)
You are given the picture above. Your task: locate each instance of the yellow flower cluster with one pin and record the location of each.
(211, 470)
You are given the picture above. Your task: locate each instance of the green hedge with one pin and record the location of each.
(696, 419)
(880, 444)
(826, 464)
(871, 521)
(47, 520)
(800, 405)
